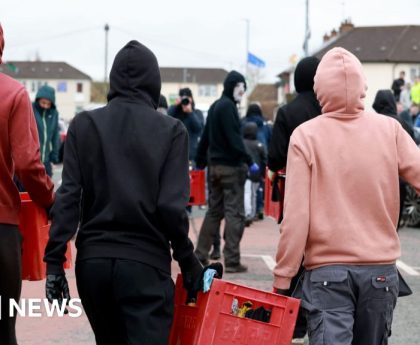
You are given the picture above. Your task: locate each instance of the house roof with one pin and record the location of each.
(263, 93)
(41, 70)
(192, 75)
(398, 44)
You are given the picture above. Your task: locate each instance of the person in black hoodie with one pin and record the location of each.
(222, 148)
(303, 108)
(126, 181)
(385, 104)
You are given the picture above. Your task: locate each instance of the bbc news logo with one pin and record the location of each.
(40, 307)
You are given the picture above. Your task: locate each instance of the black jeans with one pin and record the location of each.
(10, 279)
(127, 302)
(226, 200)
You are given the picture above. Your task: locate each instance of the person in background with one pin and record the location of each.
(221, 148)
(19, 154)
(46, 116)
(398, 85)
(415, 91)
(385, 104)
(341, 209)
(191, 117)
(254, 115)
(409, 117)
(405, 97)
(163, 105)
(258, 152)
(124, 192)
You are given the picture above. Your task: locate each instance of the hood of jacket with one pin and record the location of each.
(250, 130)
(385, 103)
(305, 73)
(46, 92)
(1, 42)
(135, 75)
(340, 84)
(230, 82)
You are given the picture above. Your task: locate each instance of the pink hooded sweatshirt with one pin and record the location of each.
(342, 189)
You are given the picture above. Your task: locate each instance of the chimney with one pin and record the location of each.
(325, 38)
(334, 33)
(346, 26)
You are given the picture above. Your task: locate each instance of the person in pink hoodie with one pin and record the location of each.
(341, 209)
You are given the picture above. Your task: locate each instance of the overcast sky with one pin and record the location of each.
(184, 33)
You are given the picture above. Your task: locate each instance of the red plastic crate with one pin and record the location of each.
(210, 322)
(197, 187)
(274, 208)
(34, 227)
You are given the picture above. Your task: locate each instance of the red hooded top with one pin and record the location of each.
(19, 150)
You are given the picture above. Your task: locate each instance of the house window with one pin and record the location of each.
(62, 86)
(207, 91)
(33, 86)
(79, 87)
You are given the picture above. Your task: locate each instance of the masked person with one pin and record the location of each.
(46, 116)
(19, 154)
(222, 147)
(125, 186)
(191, 117)
(341, 209)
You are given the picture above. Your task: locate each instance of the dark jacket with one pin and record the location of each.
(397, 84)
(193, 122)
(125, 174)
(303, 108)
(254, 114)
(19, 150)
(222, 139)
(255, 149)
(47, 123)
(385, 104)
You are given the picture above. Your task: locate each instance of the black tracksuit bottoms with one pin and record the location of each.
(127, 302)
(10, 279)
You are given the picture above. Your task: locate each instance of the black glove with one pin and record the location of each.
(191, 269)
(57, 288)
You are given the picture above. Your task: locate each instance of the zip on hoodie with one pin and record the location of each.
(45, 137)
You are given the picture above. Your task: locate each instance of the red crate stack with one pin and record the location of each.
(34, 227)
(197, 188)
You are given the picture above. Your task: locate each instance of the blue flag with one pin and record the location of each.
(253, 60)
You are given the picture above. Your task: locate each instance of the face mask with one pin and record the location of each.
(238, 92)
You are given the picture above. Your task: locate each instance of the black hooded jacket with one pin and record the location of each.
(303, 108)
(125, 176)
(385, 104)
(222, 139)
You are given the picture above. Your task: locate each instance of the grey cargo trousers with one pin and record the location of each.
(226, 200)
(350, 305)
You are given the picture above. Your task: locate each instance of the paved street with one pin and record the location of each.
(258, 248)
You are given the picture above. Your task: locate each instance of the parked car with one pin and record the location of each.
(63, 126)
(411, 212)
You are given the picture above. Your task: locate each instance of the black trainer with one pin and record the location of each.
(236, 269)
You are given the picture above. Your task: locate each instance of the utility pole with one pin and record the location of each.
(307, 31)
(106, 53)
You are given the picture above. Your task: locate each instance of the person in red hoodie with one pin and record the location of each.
(341, 209)
(19, 154)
